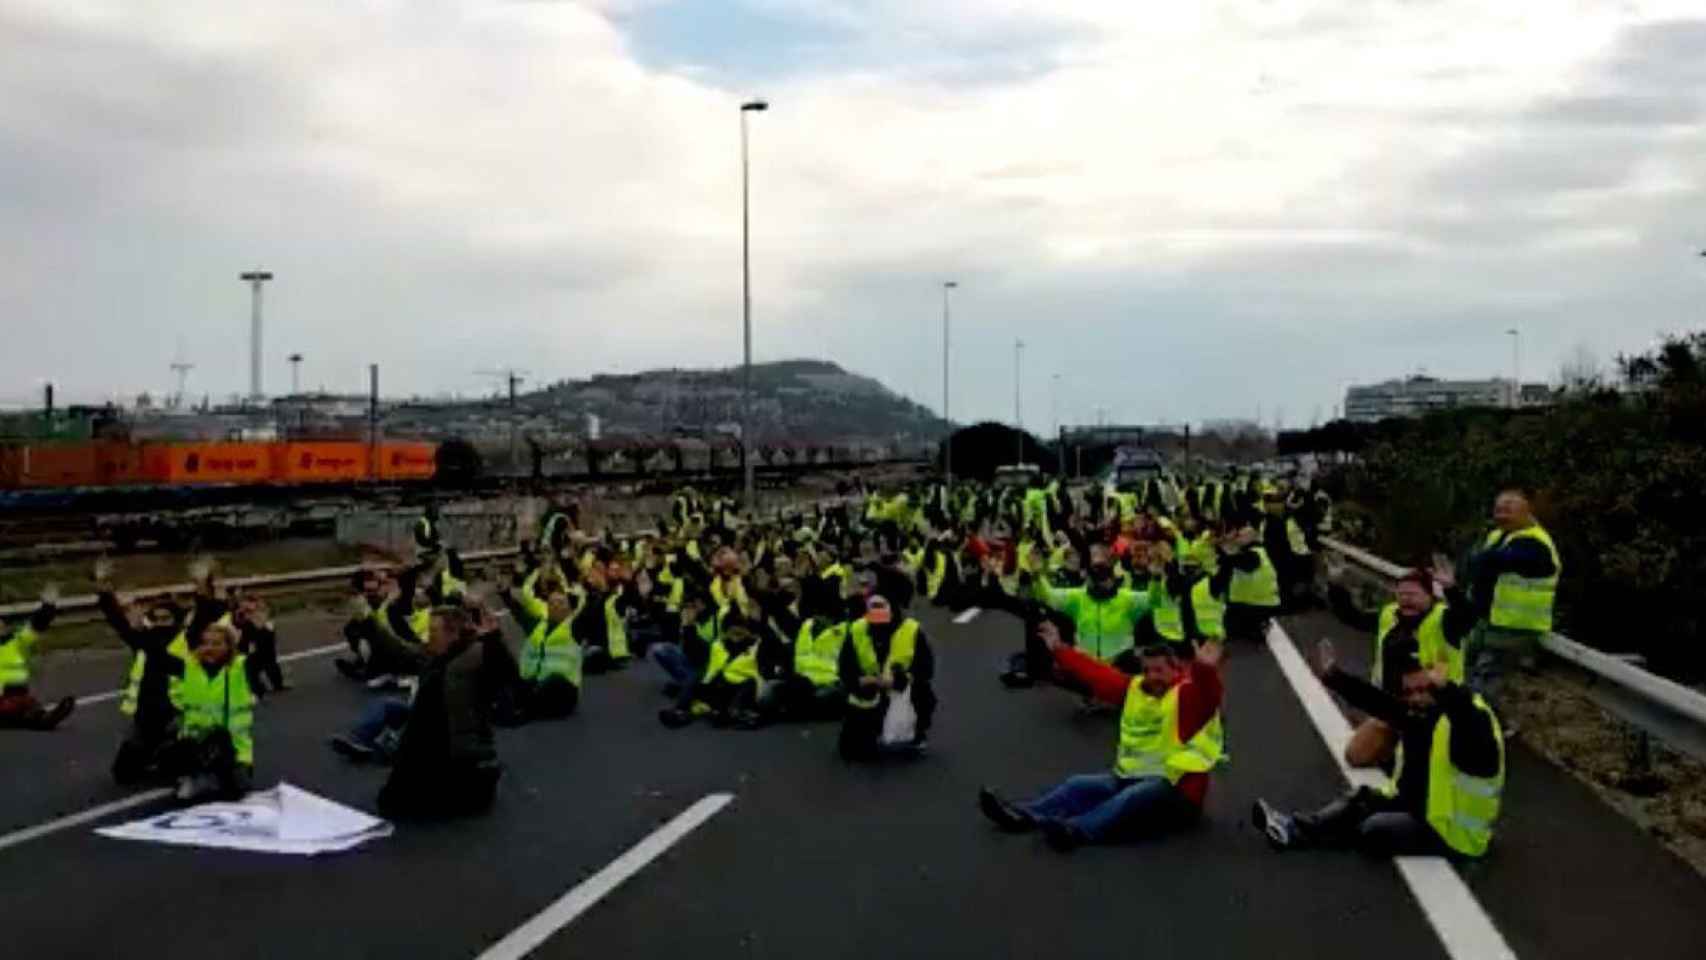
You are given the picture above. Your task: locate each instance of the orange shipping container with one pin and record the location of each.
(319, 462)
(186, 463)
(119, 464)
(57, 465)
(408, 461)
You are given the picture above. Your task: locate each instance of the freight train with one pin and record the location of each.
(106, 464)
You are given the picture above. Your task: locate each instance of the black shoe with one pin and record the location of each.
(674, 718)
(57, 715)
(352, 749)
(1279, 828)
(672, 690)
(748, 720)
(1061, 837)
(353, 669)
(1017, 680)
(1003, 814)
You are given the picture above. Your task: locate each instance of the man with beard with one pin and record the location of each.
(1104, 616)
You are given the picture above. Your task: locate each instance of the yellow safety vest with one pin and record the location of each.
(1258, 589)
(615, 628)
(551, 651)
(1462, 809)
(902, 647)
(220, 701)
(14, 658)
(1170, 617)
(1149, 743)
(1524, 603)
(1431, 645)
(818, 652)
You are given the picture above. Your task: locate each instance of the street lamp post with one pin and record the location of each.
(1516, 365)
(751, 106)
(1018, 415)
(295, 374)
(948, 444)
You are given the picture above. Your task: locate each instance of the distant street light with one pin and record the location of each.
(948, 445)
(296, 374)
(1018, 415)
(1516, 365)
(751, 106)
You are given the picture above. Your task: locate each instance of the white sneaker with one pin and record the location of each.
(384, 681)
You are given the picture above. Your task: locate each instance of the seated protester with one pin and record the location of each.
(1169, 741)
(727, 691)
(1253, 594)
(1443, 795)
(214, 756)
(937, 574)
(1188, 603)
(159, 640)
(402, 617)
(885, 655)
(19, 709)
(373, 589)
(602, 615)
(547, 679)
(446, 763)
(683, 659)
(1413, 627)
(258, 643)
(806, 685)
(1105, 617)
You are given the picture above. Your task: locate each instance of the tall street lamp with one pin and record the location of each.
(1516, 365)
(1018, 416)
(751, 106)
(255, 278)
(948, 444)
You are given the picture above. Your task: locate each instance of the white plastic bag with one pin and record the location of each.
(900, 722)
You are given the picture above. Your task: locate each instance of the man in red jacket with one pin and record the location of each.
(1170, 739)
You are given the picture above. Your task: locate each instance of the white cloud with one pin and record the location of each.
(1245, 202)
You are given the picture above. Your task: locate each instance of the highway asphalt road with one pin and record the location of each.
(812, 858)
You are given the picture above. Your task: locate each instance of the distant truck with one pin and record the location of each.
(1016, 474)
(1133, 465)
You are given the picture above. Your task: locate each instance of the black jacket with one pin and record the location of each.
(1474, 745)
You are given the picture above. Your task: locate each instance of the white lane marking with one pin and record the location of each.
(93, 813)
(287, 658)
(526, 938)
(1460, 922)
(968, 616)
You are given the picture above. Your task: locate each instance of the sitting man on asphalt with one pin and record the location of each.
(1170, 739)
(19, 707)
(885, 656)
(1449, 773)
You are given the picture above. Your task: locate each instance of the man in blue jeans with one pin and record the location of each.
(1170, 739)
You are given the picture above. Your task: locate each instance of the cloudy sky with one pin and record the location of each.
(1190, 211)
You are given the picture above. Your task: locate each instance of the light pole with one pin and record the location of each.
(751, 106)
(296, 374)
(1018, 414)
(255, 278)
(1516, 365)
(948, 444)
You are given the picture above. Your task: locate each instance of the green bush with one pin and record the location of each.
(1619, 477)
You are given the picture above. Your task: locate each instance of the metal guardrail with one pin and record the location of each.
(1668, 710)
(88, 601)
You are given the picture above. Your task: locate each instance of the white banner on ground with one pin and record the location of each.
(284, 819)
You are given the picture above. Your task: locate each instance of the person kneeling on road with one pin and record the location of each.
(1443, 796)
(18, 706)
(446, 762)
(1170, 740)
(885, 657)
(214, 757)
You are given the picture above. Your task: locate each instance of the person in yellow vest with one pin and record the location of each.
(19, 708)
(549, 666)
(1170, 741)
(1253, 589)
(1513, 582)
(158, 635)
(1187, 604)
(1287, 547)
(807, 642)
(727, 690)
(1104, 617)
(1417, 625)
(214, 756)
(885, 655)
(1443, 796)
(428, 542)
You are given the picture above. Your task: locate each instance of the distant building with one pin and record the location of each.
(1415, 396)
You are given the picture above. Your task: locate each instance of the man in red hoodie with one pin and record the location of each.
(1170, 739)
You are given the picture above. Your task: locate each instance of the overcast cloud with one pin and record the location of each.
(1187, 212)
